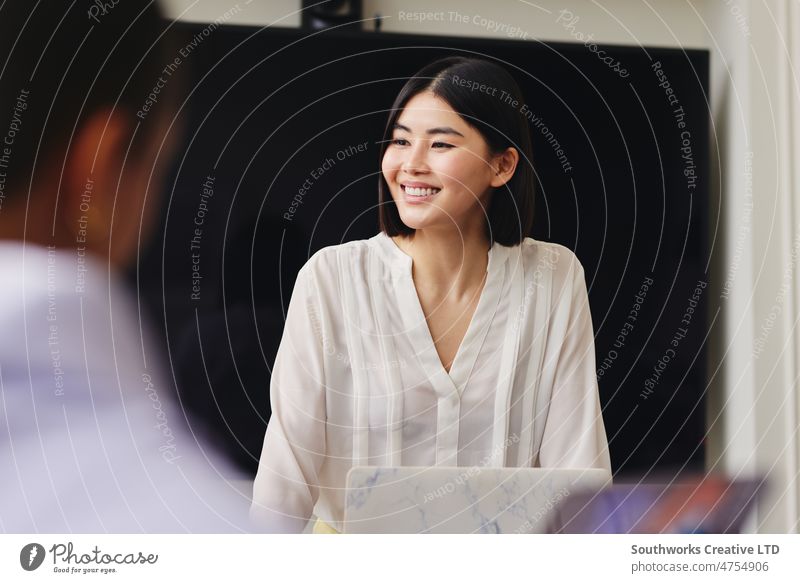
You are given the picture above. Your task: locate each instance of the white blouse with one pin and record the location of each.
(357, 379)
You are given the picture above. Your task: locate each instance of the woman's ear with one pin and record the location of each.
(504, 165)
(92, 174)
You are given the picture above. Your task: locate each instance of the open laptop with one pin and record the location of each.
(461, 499)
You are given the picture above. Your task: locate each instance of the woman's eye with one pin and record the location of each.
(399, 142)
(441, 145)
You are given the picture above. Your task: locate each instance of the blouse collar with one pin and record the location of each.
(402, 262)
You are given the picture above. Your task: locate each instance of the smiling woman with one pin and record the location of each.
(483, 139)
(490, 329)
(466, 170)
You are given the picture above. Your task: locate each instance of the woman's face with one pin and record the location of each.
(438, 168)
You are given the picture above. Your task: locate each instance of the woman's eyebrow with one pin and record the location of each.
(432, 131)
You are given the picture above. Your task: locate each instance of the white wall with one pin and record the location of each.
(753, 401)
(658, 22)
(617, 21)
(260, 12)
(754, 409)
(731, 392)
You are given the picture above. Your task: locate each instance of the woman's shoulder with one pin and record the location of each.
(326, 261)
(558, 269)
(554, 256)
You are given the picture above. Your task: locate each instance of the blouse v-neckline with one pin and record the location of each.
(418, 331)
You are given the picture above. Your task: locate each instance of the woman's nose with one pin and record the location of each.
(416, 158)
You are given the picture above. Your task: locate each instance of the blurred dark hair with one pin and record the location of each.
(74, 59)
(510, 213)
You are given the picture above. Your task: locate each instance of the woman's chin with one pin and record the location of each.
(413, 222)
(427, 219)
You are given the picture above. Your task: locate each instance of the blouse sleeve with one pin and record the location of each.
(574, 434)
(286, 484)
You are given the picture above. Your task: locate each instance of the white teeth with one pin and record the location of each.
(420, 191)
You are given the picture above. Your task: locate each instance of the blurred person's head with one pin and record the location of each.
(87, 97)
(456, 154)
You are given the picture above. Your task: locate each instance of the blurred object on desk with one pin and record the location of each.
(701, 505)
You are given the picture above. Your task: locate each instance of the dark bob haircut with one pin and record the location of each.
(510, 213)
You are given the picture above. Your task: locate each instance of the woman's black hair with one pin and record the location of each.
(458, 80)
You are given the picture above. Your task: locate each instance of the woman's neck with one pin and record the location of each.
(447, 263)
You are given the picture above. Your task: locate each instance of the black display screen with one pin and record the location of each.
(621, 156)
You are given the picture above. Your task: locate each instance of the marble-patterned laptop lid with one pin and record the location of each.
(461, 499)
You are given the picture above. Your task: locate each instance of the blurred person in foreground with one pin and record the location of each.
(91, 439)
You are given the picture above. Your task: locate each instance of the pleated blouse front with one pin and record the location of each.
(357, 379)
